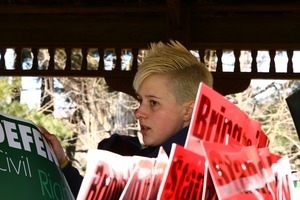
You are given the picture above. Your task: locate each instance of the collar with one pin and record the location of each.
(178, 138)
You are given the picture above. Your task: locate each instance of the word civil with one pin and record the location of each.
(19, 166)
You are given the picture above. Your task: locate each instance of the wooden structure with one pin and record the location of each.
(202, 25)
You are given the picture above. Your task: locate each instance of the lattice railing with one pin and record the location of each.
(95, 62)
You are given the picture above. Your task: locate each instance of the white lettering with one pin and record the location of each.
(19, 166)
(40, 147)
(2, 134)
(11, 134)
(26, 138)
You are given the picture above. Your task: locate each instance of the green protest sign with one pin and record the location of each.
(28, 166)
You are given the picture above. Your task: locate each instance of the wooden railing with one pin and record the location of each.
(226, 65)
(83, 66)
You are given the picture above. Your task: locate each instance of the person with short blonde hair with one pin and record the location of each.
(166, 86)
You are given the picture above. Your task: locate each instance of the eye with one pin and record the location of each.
(153, 103)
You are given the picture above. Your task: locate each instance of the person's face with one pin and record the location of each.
(159, 114)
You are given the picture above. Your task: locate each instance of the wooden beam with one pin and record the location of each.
(198, 25)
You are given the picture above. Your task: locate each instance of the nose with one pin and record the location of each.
(140, 113)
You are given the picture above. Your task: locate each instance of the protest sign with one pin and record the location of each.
(238, 172)
(215, 118)
(106, 175)
(185, 175)
(28, 166)
(225, 156)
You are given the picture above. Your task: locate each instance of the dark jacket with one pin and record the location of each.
(127, 146)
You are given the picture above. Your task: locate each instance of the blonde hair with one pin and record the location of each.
(182, 68)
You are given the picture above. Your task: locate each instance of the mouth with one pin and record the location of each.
(144, 129)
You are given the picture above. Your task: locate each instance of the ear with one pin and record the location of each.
(188, 110)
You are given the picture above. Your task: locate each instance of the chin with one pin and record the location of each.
(147, 143)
